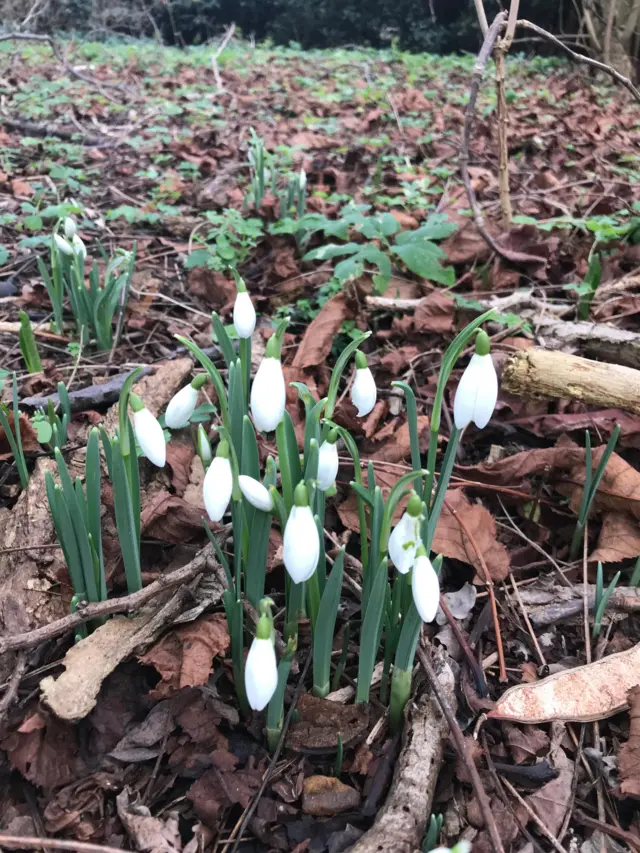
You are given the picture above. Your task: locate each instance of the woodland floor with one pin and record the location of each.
(145, 145)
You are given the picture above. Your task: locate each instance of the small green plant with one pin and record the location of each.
(262, 171)
(51, 429)
(434, 828)
(587, 289)
(28, 346)
(229, 243)
(591, 483)
(14, 436)
(602, 599)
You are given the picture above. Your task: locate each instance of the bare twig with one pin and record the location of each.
(461, 747)
(24, 841)
(614, 831)
(534, 817)
(503, 140)
(214, 59)
(580, 57)
(482, 17)
(14, 683)
(203, 561)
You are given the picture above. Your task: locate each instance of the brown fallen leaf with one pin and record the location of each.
(398, 447)
(316, 344)
(320, 721)
(619, 489)
(619, 538)
(629, 759)
(149, 834)
(526, 744)
(552, 800)
(184, 656)
(170, 518)
(587, 693)
(30, 443)
(434, 313)
(180, 454)
(451, 540)
(325, 796)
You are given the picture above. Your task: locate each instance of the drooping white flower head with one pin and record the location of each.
(69, 228)
(268, 391)
(261, 668)
(257, 494)
(405, 536)
(244, 314)
(181, 405)
(63, 245)
(148, 432)
(425, 586)
(477, 392)
(301, 542)
(302, 179)
(79, 247)
(363, 390)
(218, 483)
(328, 462)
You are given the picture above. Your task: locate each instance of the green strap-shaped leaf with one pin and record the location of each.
(325, 627)
(370, 632)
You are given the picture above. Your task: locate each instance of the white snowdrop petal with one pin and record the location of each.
(217, 487)
(403, 543)
(64, 245)
(301, 544)
(257, 494)
(328, 464)
(268, 395)
(181, 407)
(78, 246)
(150, 437)
(464, 403)
(244, 315)
(426, 589)
(69, 228)
(363, 391)
(260, 673)
(487, 391)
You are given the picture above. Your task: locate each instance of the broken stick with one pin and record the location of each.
(544, 373)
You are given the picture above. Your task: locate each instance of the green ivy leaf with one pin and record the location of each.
(198, 258)
(423, 258)
(332, 250)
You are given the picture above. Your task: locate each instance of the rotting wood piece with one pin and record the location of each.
(545, 373)
(400, 824)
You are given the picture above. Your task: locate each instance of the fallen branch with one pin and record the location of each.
(214, 59)
(92, 397)
(202, 562)
(521, 301)
(624, 598)
(13, 684)
(25, 842)
(545, 373)
(401, 822)
(596, 339)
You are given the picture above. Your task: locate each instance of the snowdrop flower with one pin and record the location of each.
(425, 586)
(244, 314)
(363, 390)
(79, 248)
(261, 669)
(405, 537)
(301, 542)
(181, 405)
(148, 432)
(257, 494)
(328, 461)
(69, 228)
(477, 392)
(218, 483)
(203, 446)
(268, 392)
(63, 245)
(302, 179)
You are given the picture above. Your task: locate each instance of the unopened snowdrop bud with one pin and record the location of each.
(328, 461)
(69, 228)
(425, 586)
(301, 542)
(63, 245)
(477, 392)
(203, 446)
(79, 247)
(244, 314)
(302, 179)
(148, 431)
(182, 405)
(261, 668)
(257, 494)
(268, 392)
(405, 537)
(218, 483)
(363, 390)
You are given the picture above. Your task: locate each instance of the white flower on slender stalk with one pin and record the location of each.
(328, 462)
(182, 405)
(301, 542)
(268, 392)
(63, 245)
(69, 228)
(425, 586)
(148, 432)
(405, 536)
(363, 390)
(244, 314)
(302, 179)
(79, 247)
(477, 392)
(261, 668)
(218, 483)
(257, 494)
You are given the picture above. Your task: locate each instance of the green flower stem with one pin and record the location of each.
(313, 599)
(245, 360)
(400, 693)
(412, 420)
(295, 609)
(432, 455)
(441, 489)
(352, 447)
(285, 465)
(275, 709)
(338, 370)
